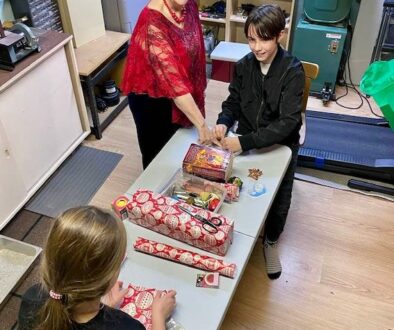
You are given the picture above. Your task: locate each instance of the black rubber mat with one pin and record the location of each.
(75, 182)
(348, 144)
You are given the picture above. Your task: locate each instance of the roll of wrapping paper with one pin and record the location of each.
(185, 257)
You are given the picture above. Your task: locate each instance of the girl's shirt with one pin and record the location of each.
(107, 318)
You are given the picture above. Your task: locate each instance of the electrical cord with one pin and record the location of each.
(351, 85)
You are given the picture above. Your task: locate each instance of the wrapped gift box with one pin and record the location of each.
(208, 162)
(138, 304)
(162, 214)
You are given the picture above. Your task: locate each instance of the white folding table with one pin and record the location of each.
(203, 308)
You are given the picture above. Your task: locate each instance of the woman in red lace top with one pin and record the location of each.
(165, 74)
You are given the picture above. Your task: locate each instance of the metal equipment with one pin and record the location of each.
(320, 38)
(16, 44)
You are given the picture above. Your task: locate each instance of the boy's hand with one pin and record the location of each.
(219, 132)
(162, 307)
(115, 296)
(232, 144)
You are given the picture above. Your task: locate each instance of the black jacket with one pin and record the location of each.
(267, 108)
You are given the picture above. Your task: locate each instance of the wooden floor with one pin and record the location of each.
(337, 250)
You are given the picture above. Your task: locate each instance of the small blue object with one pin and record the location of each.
(257, 189)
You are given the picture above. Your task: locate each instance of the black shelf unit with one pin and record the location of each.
(89, 83)
(384, 47)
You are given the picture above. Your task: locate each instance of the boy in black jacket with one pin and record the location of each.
(265, 99)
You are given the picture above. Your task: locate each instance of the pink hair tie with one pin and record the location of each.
(54, 295)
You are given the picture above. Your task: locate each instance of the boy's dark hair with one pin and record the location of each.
(268, 21)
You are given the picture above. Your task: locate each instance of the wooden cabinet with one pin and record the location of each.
(42, 120)
(231, 27)
(12, 188)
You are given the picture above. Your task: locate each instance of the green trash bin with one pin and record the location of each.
(378, 81)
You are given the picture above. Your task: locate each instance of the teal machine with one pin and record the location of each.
(320, 37)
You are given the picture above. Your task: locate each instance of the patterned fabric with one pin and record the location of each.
(162, 214)
(165, 60)
(232, 192)
(185, 257)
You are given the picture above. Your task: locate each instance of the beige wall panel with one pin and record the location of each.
(84, 19)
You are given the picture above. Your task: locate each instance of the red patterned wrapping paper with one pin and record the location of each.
(186, 257)
(138, 304)
(232, 192)
(162, 214)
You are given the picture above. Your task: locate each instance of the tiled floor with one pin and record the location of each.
(31, 228)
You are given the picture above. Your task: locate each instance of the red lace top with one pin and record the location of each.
(167, 61)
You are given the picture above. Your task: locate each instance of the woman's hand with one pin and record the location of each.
(204, 134)
(219, 132)
(186, 104)
(115, 296)
(162, 308)
(232, 144)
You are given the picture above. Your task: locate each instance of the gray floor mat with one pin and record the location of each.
(75, 182)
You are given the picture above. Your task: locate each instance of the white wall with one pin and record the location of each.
(122, 15)
(364, 38)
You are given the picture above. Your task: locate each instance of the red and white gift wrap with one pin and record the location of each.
(185, 257)
(162, 214)
(232, 192)
(138, 304)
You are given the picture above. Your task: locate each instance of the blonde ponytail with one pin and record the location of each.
(83, 254)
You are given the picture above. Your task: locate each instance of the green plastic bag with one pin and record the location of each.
(378, 81)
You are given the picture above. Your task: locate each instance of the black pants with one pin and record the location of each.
(277, 215)
(152, 117)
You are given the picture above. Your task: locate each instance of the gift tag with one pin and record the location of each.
(208, 280)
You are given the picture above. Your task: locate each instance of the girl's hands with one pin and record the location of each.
(162, 308)
(115, 296)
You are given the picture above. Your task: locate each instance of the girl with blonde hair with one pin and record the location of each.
(80, 265)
